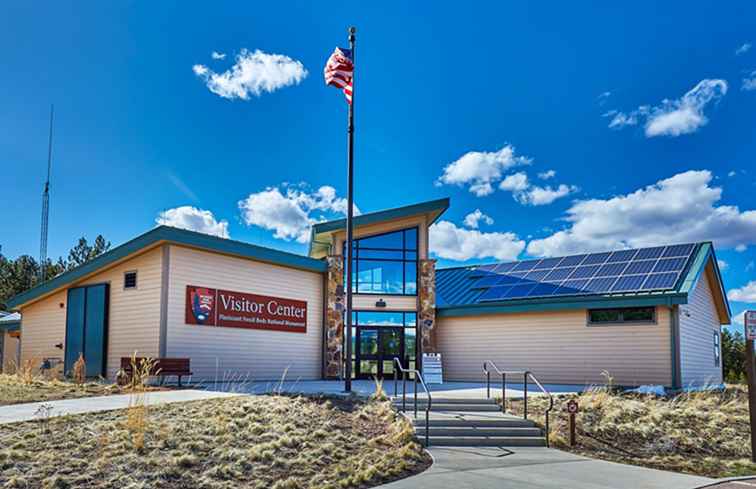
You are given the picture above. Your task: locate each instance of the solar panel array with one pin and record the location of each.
(645, 269)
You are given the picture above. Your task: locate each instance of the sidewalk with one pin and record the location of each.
(536, 468)
(26, 412)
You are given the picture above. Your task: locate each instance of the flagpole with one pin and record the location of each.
(349, 230)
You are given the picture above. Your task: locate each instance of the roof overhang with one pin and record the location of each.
(320, 234)
(156, 237)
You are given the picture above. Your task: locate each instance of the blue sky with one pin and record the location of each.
(471, 102)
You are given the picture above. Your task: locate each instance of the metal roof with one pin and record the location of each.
(169, 235)
(457, 294)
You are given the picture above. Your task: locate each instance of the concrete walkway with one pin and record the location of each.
(26, 412)
(448, 390)
(536, 468)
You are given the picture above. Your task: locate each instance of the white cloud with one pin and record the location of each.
(743, 49)
(677, 209)
(526, 193)
(472, 220)
(746, 293)
(749, 82)
(217, 55)
(723, 265)
(739, 318)
(602, 99)
(193, 219)
(547, 174)
(254, 73)
(731, 173)
(673, 117)
(480, 170)
(454, 243)
(290, 214)
(740, 248)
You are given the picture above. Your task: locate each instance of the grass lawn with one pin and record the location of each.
(16, 389)
(704, 433)
(246, 442)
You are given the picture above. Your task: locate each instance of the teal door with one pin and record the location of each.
(87, 327)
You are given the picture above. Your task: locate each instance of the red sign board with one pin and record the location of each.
(215, 307)
(750, 325)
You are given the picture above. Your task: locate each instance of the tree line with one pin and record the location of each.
(21, 274)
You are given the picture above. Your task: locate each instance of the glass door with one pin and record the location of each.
(376, 349)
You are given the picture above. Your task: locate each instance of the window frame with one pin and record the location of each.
(621, 321)
(405, 250)
(136, 280)
(717, 348)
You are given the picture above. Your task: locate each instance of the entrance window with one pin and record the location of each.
(386, 263)
(379, 337)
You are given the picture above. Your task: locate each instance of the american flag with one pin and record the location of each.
(339, 70)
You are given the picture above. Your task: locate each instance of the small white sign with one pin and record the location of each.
(433, 372)
(750, 325)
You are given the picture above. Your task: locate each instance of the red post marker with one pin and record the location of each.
(750, 334)
(572, 409)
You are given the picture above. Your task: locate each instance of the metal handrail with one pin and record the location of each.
(399, 368)
(526, 374)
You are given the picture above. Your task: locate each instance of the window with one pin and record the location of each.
(385, 264)
(129, 280)
(621, 315)
(717, 349)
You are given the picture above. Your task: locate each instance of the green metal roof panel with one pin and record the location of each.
(177, 236)
(439, 206)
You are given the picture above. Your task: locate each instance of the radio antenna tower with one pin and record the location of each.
(45, 207)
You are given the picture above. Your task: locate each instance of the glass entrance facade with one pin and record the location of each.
(379, 337)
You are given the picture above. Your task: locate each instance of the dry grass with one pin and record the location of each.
(705, 433)
(246, 442)
(18, 389)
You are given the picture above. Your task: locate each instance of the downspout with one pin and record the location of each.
(164, 285)
(675, 347)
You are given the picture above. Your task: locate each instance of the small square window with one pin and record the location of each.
(130, 280)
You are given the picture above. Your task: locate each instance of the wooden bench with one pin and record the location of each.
(163, 367)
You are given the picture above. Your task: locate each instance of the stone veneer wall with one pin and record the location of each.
(426, 312)
(334, 327)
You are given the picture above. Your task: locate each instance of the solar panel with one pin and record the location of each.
(559, 274)
(660, 281)
(670, 264)
(622, 255)
(655, 268)
(519, 291)
(611, 269)
(543, 289)
(678, 250)
(647, 253)
(600, 285)
(585, 271)
(643, 266)
(505, 267)
(569, 287)
(596, 258)
(526, 265)
(629, 283)
(536, 275)
(571, 261)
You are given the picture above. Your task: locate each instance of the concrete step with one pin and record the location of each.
(468, 431)
(481, 423)
(460, 408)
(485, 441)
(443, 400)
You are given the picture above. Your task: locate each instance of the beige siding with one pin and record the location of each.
(366, 302)
(558, 347)
(134, 315)
(260, 354)
(699, 323)
(43, 325)
(10, 353)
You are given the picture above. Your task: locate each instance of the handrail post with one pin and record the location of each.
(547, 428)
(404, 391)
(395, 382)
(415, 388)
(488, 383)
(503, 393)
(525, 396)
